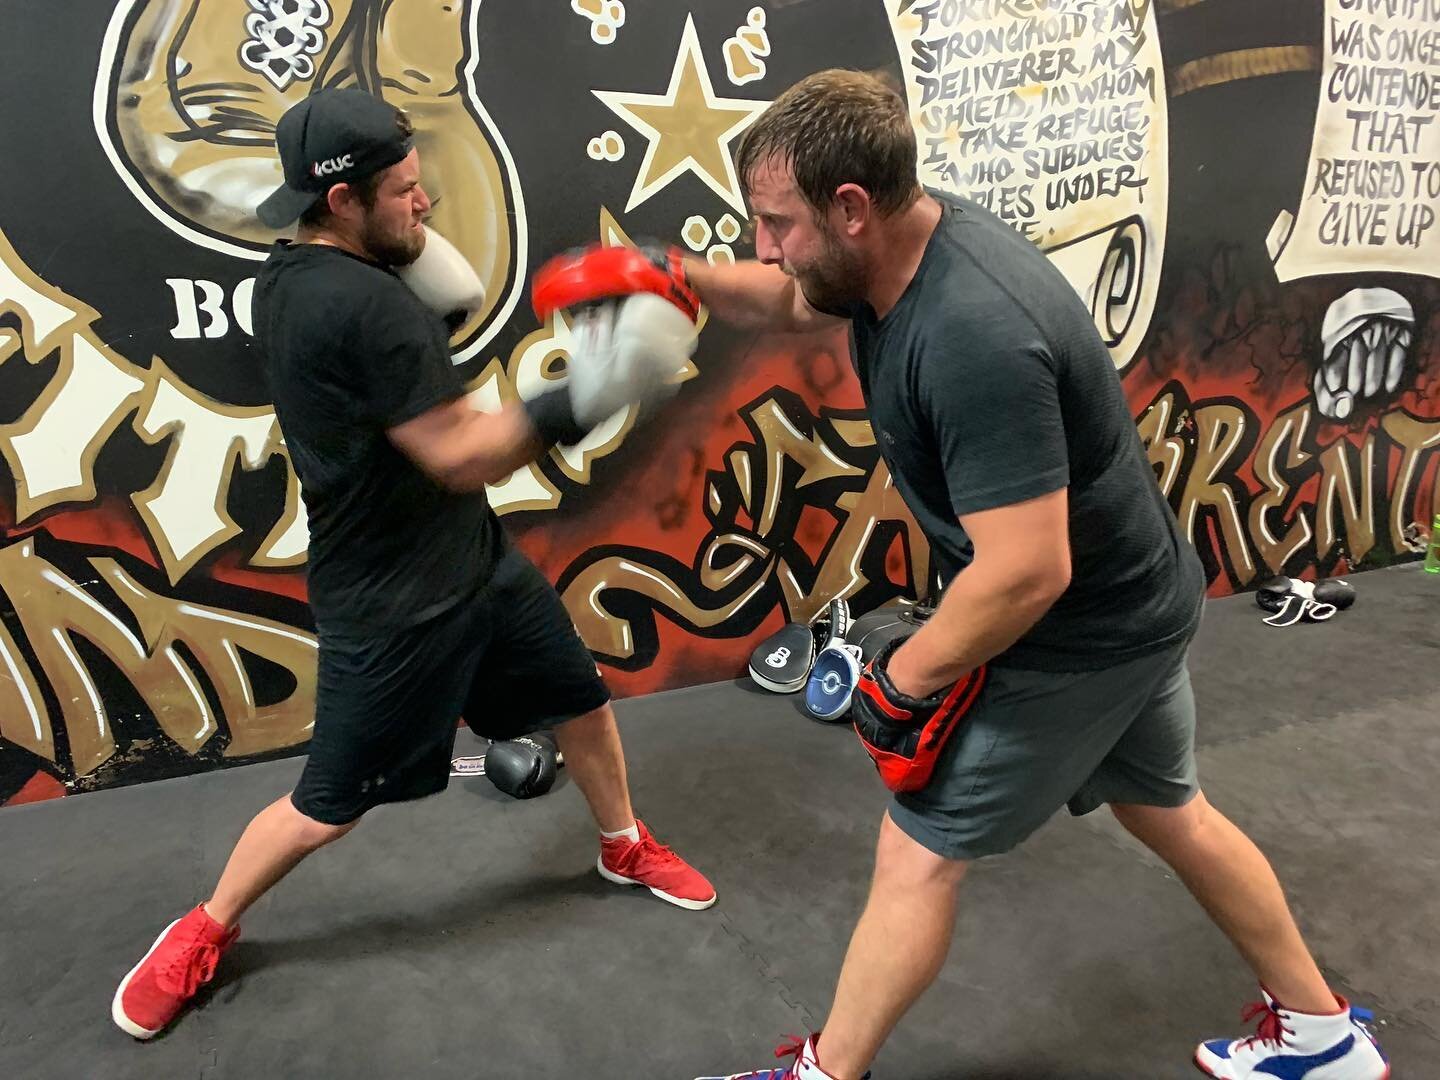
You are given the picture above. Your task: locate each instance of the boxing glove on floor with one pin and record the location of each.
(523, 767)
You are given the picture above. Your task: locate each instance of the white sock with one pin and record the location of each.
(632, 834)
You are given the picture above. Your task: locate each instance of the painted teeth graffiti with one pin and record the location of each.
(1365, 341)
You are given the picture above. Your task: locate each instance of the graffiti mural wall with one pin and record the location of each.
(1246, 198)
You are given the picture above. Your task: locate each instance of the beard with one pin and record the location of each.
(834, 282)
(389, 247)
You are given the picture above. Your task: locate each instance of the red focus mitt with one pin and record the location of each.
(597, 273)
(905, 735)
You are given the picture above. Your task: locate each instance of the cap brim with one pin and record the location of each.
(284, 205)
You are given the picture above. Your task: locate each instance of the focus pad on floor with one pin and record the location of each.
(782, 661)
(876, 629)
(832, 682)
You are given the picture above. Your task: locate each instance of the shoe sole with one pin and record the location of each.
(1196, 1062)
(678, 901)
(117, 1011)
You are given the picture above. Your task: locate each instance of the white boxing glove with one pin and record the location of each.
(444, 281)
(626, 351)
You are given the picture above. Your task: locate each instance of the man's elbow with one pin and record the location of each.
(1050, 581)
(1040, 583)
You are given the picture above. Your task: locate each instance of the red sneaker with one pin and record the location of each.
(652, 864)
(181, 961)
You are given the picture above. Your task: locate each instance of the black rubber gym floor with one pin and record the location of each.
(469, 935)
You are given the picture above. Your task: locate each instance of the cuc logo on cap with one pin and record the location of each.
(332, 165)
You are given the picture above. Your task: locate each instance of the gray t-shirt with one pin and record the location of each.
(987, 384)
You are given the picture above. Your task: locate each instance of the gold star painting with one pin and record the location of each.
(687, 128)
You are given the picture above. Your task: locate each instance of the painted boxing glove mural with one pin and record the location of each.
(189, 92)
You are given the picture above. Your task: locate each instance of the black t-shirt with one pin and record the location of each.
(350, 352)
(987, 384)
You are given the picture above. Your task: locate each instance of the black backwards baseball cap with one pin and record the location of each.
(335, 136)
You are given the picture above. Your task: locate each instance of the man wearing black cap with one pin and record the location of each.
(424, 611)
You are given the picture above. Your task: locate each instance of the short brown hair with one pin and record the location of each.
(838, 127)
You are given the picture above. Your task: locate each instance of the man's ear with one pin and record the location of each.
(852, 207)
(340, 198)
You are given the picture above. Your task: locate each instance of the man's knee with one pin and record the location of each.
(903, 861)
(587, 726)
(312, 834)
(595, 717)
(1163, 823)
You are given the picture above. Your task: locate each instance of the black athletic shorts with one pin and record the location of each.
(508, 660)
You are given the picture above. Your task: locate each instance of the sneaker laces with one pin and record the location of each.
(1271, 1029)
(657, 851)
(792, 1049)
(190, 967)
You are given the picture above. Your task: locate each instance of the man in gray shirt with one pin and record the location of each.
(1053, 672)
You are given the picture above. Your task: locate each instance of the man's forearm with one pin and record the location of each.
(747, 293)
(982, 614)
(491, 447)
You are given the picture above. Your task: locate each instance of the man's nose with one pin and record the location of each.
(766, 249)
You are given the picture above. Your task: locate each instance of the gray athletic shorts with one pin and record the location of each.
(1037, 740)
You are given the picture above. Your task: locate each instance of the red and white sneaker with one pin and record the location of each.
(182, 960)
(1297, 1046)
(652, 864)
(804, 1065)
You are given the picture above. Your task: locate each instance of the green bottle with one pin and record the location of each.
(1432, 553)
